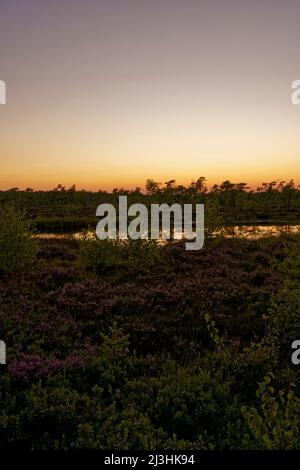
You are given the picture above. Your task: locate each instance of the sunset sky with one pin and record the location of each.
(107, 93)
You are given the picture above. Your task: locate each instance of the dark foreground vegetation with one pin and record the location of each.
(140, 346)
(69, 209)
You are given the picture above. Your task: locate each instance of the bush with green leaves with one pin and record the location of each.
(17, 248)
(125, 255)
(285, 304)
(285, 311)
(290, 265)
(275, 423)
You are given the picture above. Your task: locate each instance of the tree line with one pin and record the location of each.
(275, 201)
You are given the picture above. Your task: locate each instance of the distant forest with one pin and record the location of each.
(68, 208)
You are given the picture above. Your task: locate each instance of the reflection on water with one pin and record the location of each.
(260, 231)
(238, 231)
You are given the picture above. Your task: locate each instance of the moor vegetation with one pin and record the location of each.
(136, 345)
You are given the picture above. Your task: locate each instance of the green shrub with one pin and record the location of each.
(290, 266)
(275, 424)
(125, 255)
(285, 304)
(17, 248)
(285, 311)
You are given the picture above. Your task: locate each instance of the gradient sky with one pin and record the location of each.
(108, 93)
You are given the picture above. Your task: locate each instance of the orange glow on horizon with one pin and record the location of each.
(107, 98)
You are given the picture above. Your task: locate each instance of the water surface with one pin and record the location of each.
(253, 232)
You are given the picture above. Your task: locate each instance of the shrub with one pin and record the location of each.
(17, 248)
(275, 423)
(111, 255)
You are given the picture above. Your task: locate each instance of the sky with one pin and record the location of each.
(108, 93)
